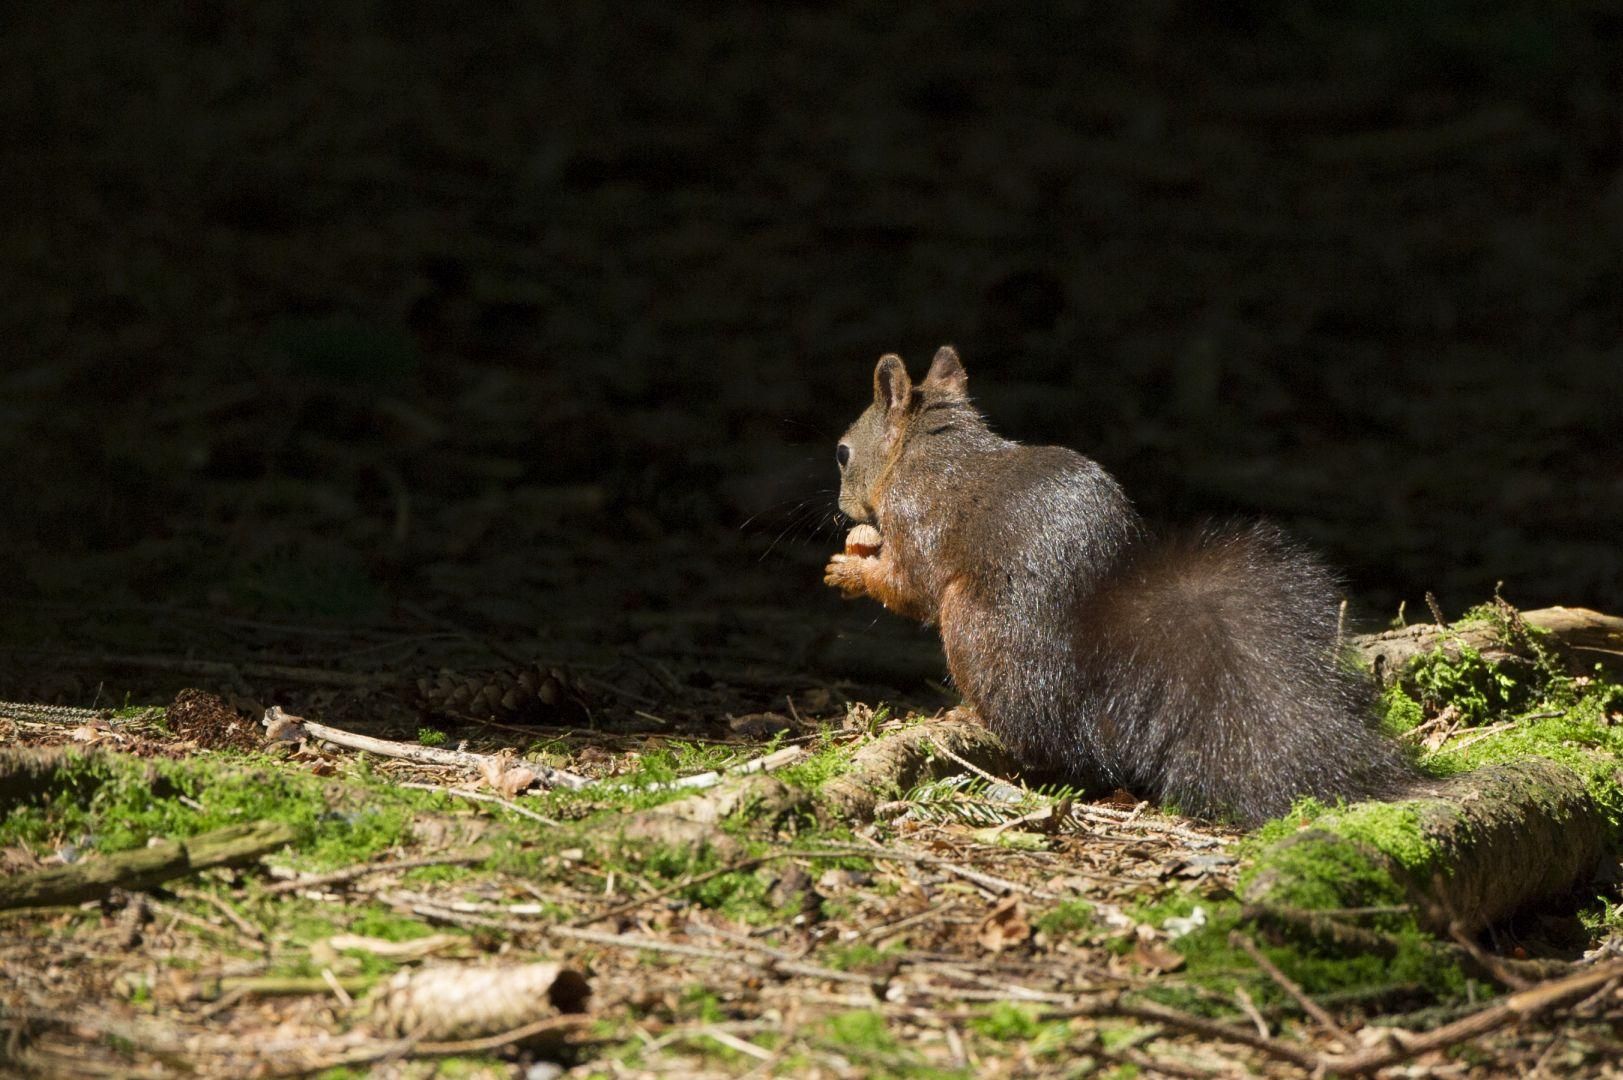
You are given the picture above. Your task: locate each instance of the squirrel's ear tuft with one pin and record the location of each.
(891, 385)
(947, 372)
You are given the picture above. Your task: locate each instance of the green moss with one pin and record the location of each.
(1456, 675)
(1331, 871)
(701, 1004)
(1066, 919)
(430, 737)
(1399, 713)
(860, 1030)
(859, 956)
(1010, 1022)
(1394, 829)
(827, 760)
(113, 803)
(1213, 967)
(378, 922)
(1579, 734)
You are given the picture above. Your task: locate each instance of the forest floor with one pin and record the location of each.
(767, 901)
(359, 367)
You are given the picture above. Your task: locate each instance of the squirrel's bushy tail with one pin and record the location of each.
(1216, 681)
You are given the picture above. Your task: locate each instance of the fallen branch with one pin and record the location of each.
(1587, 637)
(143, 868)
(1518, 1006)
(285, 726)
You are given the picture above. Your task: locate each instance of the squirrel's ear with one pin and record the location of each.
(947, 371)
(891, 386)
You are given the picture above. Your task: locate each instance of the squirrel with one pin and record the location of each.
(1202, 671)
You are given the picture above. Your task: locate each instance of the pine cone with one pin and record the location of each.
(462, 1001)
(533, 694)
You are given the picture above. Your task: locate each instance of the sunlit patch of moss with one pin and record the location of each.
(1399, 713)
(1007, 1021)
(858, 956)
(1332, 871)
(1458, 676)
(700, 1003)
(827, 760)
(112, 803)
(1066, 919)
(1580, 734)
(1213, 966)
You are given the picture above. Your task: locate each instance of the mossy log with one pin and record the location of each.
(1585, 637)
(1465, 853)
(142, 868)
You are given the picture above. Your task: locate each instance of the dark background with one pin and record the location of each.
(338, 334)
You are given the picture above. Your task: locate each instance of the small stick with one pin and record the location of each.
(634, 904)
(1311, 1007)
(338, 876)
(423, 755)
(1518, 1006)
(1249, 1007)
(775, 760)
(224, 909)
(477, 796)
(1487, 962)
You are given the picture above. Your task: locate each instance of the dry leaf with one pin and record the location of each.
(282, 726)
(1152, 955)
(1004, 925)
(91, 733)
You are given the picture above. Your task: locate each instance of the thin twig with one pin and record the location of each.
(1518, 1006)
(1249, 1007)
(337, 877)
(478, 796)
(1486, 961)
(1311, 1007)
(423, 755)
(225, 909)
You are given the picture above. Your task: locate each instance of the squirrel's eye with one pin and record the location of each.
(842, 455)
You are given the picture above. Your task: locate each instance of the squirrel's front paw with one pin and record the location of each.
(844, 572)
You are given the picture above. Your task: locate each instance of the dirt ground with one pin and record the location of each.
(368, 341)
